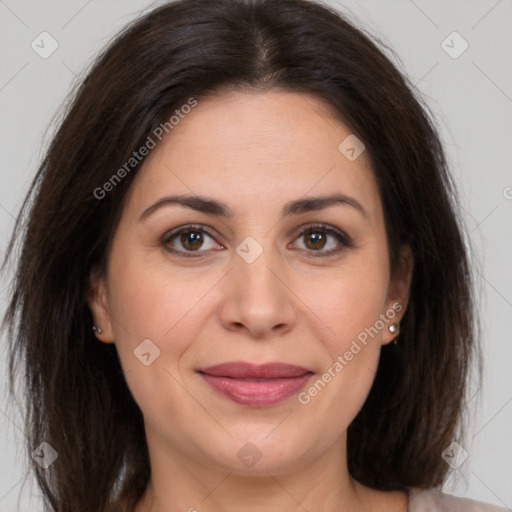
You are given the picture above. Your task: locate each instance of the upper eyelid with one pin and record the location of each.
(331, 230)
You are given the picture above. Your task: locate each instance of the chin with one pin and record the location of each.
(261, 452)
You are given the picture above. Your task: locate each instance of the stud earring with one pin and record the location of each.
(395, 329)
(97, 330)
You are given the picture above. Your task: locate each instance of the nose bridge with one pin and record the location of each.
(257, 267)
(258, 298)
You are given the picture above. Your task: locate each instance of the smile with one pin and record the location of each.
(256, 385)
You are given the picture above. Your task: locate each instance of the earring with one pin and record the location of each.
(97, 330)
(395, 329)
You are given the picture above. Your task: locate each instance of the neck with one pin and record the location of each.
(180, 482)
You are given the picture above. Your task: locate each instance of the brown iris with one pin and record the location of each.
(191, 240)
(317, 239)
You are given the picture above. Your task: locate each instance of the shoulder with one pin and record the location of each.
(433, 500)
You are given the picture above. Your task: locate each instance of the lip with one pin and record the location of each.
(256, 385)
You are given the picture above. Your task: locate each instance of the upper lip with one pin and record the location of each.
(243, 370)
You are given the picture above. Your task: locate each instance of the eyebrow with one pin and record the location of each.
(213, 207)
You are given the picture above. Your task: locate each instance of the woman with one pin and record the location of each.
(243, 282)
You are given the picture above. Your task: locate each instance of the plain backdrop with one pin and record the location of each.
(470, 95)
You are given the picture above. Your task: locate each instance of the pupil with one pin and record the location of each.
(315, 238)
(191, 239)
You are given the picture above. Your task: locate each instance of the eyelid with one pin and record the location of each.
(341, 236)
(169, 235)
(345, 241)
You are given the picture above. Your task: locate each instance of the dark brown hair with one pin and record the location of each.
(77, 397)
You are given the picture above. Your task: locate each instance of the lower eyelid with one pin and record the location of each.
(168, 238)
(341, 246)
(344, 241)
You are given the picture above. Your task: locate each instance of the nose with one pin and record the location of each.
(257, 299)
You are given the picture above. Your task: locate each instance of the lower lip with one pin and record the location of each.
(256, 392)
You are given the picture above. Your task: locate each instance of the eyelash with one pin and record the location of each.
(343, 239)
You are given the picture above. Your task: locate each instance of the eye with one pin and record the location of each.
(317, 238)
(191, 238)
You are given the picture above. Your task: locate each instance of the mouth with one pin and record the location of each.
(255, 385)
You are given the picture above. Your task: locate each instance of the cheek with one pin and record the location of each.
(147, 306)
(147, 302)
(351, 305)
(351, 302)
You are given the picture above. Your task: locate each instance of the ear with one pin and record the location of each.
(96, 296)
(398, 292)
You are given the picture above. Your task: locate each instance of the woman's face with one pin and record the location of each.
(251, 288)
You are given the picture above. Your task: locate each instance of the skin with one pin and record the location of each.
(254, 152)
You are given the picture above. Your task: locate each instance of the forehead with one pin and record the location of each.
(255, 148)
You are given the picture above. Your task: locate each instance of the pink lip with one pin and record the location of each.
(256, 385)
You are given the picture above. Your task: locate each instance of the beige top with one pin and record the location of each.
(432, 500)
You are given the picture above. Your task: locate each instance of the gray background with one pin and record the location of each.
(471, 97)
